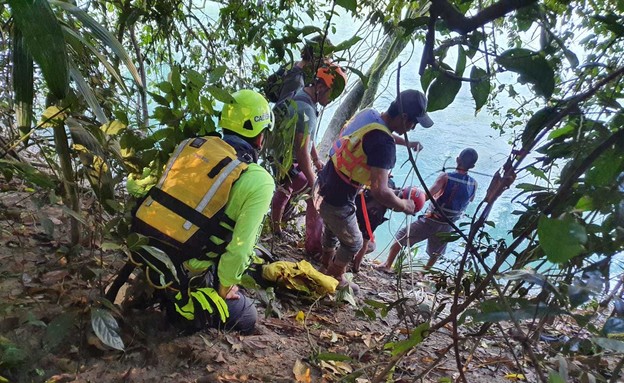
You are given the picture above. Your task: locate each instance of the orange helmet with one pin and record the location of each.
(333, 77)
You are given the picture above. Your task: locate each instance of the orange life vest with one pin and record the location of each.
(349, 158)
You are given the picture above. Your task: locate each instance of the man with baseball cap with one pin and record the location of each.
(363, 156)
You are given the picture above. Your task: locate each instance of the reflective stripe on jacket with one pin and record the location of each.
(349, 158)
(458, 192)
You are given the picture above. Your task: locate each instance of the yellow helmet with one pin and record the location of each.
(249, 114)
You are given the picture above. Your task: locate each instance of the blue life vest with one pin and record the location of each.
(459, 191)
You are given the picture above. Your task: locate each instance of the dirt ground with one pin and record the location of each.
(46, 333)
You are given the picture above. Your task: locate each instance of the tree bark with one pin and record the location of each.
(71, 191)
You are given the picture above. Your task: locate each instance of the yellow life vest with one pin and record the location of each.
(184, 218)
(349, 157)
(193, 189)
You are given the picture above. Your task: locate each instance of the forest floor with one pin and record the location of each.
(46, 333)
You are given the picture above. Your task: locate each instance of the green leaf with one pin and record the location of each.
(110, 246)
(87, 93)
(45, 41)
(59, 329)
(216, 75)
(106, 328)
(479, 87)
(349, 5)
(554, 377)
(220, 94)
(532, 68)
(103, 35)
(163, 258)
(535, 125)
(364, 78)
(136, 241)
(442, 92)
(409, 25)
(344, 45)
(176, 82)
(605, 169)
(23, 84)
(159, 99)
(561, 239)
(460, 67)
(333, 356)
(71, 34)
(585, 203)
(416, 336)
(28, 173)
(74, 215)
(428, 77)
(610, 344)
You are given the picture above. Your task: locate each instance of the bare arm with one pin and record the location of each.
(318, 164)
(401, 141)
(438, 186)
(303, 156)
(382, 193)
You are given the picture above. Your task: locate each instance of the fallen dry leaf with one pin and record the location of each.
(53, 277)
(302, 372)
(220, 358)
(337, 367)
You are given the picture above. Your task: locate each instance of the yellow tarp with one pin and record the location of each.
(300, 276)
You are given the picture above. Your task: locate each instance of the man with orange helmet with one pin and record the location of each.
(301, 112)
(453, 192)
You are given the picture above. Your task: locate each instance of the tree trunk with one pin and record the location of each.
(69, 182)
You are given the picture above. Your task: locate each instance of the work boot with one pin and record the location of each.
(337, 270)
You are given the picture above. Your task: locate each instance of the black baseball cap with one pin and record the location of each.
(414, 104)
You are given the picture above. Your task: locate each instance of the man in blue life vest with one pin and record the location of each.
(453, 192)
(203, 219)
(363, 156)
(301, 112)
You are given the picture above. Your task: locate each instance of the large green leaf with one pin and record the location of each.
(605, 169)
(106, 328)
(344, 45)
(349, 5)
(442, 92)
(561, 239)
(73, 38)
(43, 35)
(22, 82)
(532, 67)
(417, 336)
(103, 35)
(479, 87)
(87, 93)
(536, 123)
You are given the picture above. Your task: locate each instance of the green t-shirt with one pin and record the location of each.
(249, 202)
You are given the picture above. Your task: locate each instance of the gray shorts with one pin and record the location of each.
(340, 224)
(425, 228)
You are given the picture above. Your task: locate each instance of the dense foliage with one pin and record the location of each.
(114, 85)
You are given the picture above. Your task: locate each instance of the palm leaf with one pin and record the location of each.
(22, 82)
(74, 38)
(44, 38)
(87, 93)
(103, 35)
